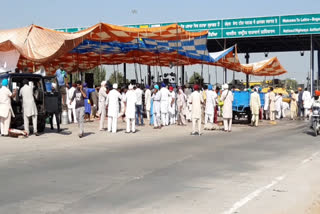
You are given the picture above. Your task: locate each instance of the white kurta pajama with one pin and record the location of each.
(147, 101)
(156, 109)
(172, 107)
(196, 100)
(102, 106)
(266, 105)
(278, 104)
(72, 106)
(164, 105)
(307, 102)
(227, 98)
(210, 106)
(5, 110)
(181, 103)
(272, 105)
(130, 99)
(113, 110)
(255, 105)
(29, 108)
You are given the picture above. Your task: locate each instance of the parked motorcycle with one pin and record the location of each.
(315, 119)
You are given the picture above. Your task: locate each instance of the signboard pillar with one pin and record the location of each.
(247, 56)
(311, 65)
(318, 68)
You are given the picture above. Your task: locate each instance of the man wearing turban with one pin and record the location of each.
(5, 107)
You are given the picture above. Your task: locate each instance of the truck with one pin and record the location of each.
(241, 104)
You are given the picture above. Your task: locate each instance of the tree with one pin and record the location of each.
(291, 84)
(117, 77)
(99, 75)
(196, 79)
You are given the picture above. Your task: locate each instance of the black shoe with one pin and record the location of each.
(80, 135)
(36, 134)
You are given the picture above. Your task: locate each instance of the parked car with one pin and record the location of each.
(46, 101)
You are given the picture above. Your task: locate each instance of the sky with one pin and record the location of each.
(80, 13)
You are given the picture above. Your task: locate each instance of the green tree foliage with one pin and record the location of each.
(99, 75)
(196, 79)
(117, 77)
(291, 84)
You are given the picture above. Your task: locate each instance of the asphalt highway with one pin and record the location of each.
(166, 172)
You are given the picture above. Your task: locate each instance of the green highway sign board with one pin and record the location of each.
(70, 30)
(245, 27)
(251, 22)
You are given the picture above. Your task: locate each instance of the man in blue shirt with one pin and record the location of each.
(61, 75)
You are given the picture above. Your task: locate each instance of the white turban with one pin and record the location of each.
(103, 83)
(225, 86)
(115, 86)
(130, 87)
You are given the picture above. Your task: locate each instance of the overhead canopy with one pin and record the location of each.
(269, 67)
(109, 44)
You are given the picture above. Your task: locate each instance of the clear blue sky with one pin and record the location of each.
(77, 13)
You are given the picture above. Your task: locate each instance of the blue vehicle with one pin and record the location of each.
(241, 104)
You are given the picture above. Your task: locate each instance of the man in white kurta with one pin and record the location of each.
(210, 105)
(278, 104)
(29, 107)
(172, 106)
(156, 97)
(196, 101)
(147, 101)
(272, 105)
(188, 92)
(164, 104)
(293, 105)
(227, 98)
(266, 105)
(130, 102)
(113, 108)
(5, 108)
(139, 107)
(102, 104)
(72, 105)
(255, 106)
(181, 103)
(307, 102)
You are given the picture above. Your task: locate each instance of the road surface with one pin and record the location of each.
(269, 169)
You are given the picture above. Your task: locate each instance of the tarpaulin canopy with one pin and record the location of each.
(109, 44)
(269, 67)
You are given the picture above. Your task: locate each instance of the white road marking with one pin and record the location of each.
(253, 195)
(256, 193)
(310, 158)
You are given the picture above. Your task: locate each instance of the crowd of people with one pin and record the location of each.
(162, 105)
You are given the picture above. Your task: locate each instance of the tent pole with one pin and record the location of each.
(149, 75)
(216, 75)
(182, 75)
(124, 73)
